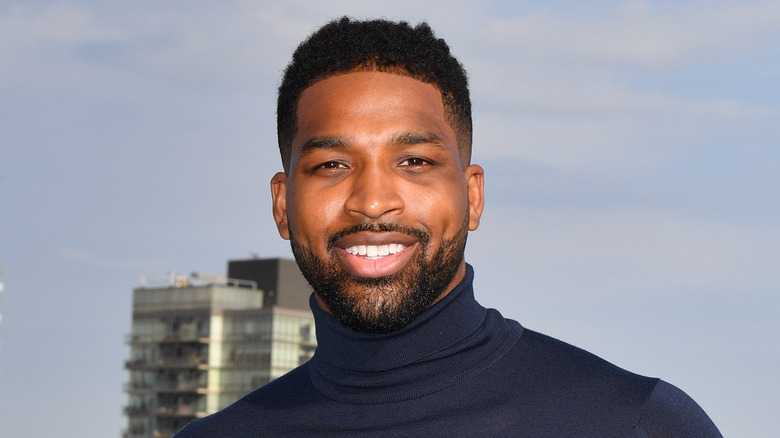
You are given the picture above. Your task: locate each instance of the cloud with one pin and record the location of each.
(569, 92)
(89, 259)
(57, 44)
(638, 34)
(612, 133)
(59, 24)
(624, 252)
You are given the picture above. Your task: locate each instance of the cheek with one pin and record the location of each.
(310, 213)
(442, 208)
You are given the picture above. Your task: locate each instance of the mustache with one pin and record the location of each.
(378, 227)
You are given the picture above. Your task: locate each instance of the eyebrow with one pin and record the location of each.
(324, 142)
(413, 138)
(399, 139)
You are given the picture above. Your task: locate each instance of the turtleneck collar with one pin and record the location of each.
(453, 339)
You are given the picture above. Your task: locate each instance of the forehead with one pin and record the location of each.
(368, 105)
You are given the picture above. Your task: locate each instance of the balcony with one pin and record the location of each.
(184, 411)
(169, 362)
(166, 387)
(167, 338)
(157, 433)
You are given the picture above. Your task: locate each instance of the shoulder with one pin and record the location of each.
(601, 390)
(670, 412)
(574, 367)
(258, 408)
(565, 378)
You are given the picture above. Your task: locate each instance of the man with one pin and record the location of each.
(377, 198)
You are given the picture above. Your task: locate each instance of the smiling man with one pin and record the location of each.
(377, 198)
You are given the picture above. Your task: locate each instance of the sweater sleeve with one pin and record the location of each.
(671, 413)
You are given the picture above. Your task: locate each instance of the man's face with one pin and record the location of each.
(377, 203)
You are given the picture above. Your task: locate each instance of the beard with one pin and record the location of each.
(383, 304)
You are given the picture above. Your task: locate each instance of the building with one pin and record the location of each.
(199, 343)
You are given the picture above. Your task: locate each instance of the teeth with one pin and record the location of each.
(375, 251)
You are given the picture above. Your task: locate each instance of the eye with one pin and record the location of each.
(415, 162)
(332, 165)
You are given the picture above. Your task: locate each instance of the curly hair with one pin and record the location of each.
(346, 45)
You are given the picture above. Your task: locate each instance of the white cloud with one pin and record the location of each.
(612, 133)
(65, 43)
(620, 252)
(561, 91)
(89, 259)
(59, 24)
(639, 34)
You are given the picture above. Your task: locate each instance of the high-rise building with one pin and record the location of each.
(199, 343)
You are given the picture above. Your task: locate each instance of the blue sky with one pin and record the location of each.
(631, 156)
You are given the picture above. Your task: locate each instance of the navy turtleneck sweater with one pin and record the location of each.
(458, 370)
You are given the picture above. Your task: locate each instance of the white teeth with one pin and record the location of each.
(375, 251)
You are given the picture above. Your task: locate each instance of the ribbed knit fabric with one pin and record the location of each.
(458, 370)
(354, 367)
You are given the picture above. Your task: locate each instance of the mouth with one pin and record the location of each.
(369, 254)
(375, 252)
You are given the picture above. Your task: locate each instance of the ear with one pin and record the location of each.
(279, 200)
(475, 180)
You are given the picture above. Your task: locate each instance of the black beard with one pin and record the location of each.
(383, 304)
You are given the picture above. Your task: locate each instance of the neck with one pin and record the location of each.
(452, 340)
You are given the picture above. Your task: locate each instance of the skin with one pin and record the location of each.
(375, 148)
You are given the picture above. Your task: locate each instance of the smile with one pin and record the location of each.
(374, 252)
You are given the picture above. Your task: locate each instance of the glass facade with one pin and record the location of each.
(197, 349)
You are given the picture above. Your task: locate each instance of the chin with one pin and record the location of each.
(382, 304)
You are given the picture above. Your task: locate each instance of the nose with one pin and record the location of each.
(373, 194)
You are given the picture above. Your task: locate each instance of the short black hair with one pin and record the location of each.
(346, 45)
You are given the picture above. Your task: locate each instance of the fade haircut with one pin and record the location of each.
(346, 45)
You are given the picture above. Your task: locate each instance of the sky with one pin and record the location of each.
(631, 158)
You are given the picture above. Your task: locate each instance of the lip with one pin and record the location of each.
(380, 267)
(375, 238)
